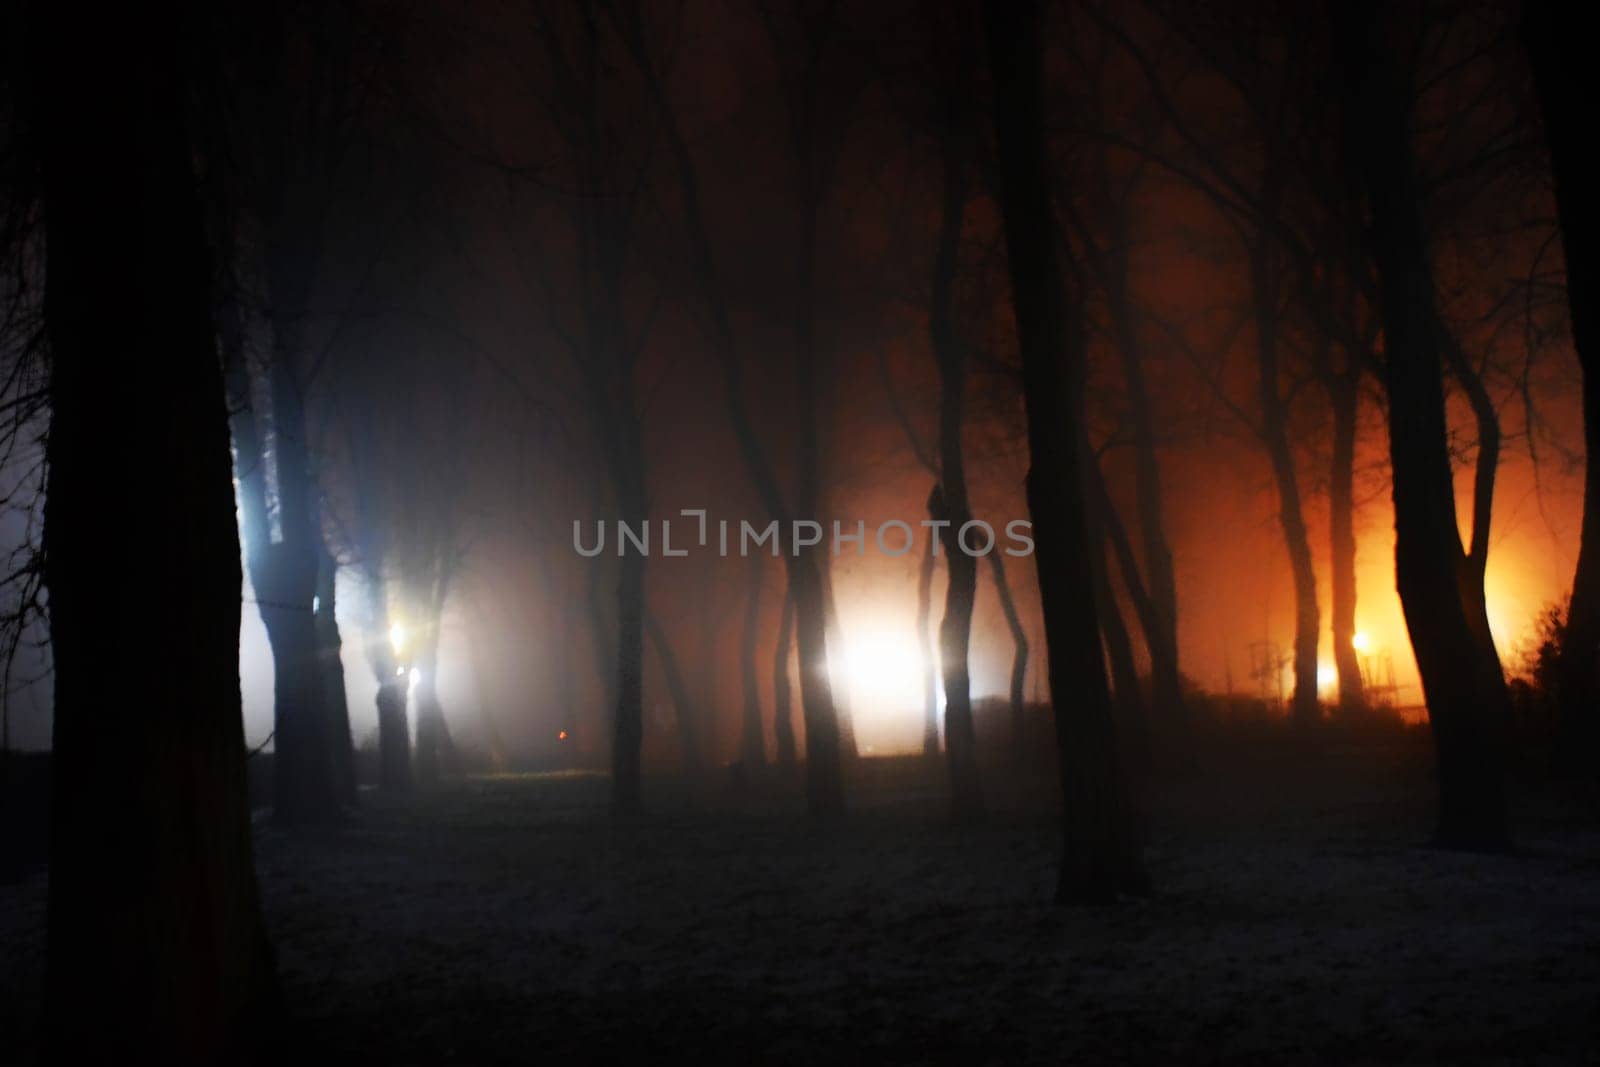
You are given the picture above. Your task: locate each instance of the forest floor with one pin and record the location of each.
(1298, 916)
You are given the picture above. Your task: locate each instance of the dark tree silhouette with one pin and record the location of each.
(156, 947)
(782, 699)
(955, 43)
(1461, 675)
(806, 585)
(752, 744)
(1562, 74)
(1101, 856)
(1106, 238)
(293, 98)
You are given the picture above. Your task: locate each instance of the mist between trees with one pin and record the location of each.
(321, 324)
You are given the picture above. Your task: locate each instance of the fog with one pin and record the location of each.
(694, 467)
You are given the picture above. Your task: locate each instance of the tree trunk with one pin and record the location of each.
(1101, 855)
(1160, 581)
(1563, 76)
(782, 701)
(1462, 681)
(394, 729)
(602, 637)
(930, 663)
(752, 743)
(283, 575)
(436, 752)
(838, 675)
(824, 773)
(627, 740)
(955, 635)
(683, 711)
(306, 748)
(1305, 708)
(827, 739)
(948, 503)
(1019, 658)
(1125, 689)
(156, 947)
(1344, 400)
(824, 796)
(434, 747)
(330, 648)
(499, 757)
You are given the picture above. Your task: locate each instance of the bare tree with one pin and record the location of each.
(1461, 676)
(1101, 855)
(1563, 75)
(148, 749)
(806, 586)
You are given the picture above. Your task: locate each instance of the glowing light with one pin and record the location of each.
(1360, 641)
(1326, 676)
(416, 676)
(397, 639)
(884, 670)
(562, 736)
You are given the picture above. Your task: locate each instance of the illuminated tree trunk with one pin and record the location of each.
(949, 501)
(394, 728)
(308, 773)
(782, 700)
(1462, 681)
(284, 573)
(436, 752)
(1101, 855)
(1342, 541)
(1304, 707)
(156, 947)
(1563, 75)
(752, 744)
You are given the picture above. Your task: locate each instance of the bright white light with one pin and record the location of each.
(397, 639)
(416, 675)
(1360, 641)
(1326, 676)
(884, 671)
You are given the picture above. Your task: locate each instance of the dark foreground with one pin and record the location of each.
(1298, 917)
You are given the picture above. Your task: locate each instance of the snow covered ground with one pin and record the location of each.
(1298, 917)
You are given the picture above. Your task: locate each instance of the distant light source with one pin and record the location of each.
(397, 639)
(416, 676)
(1360, 641)
(1326, 676)
(884, 670)
(562, 736)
